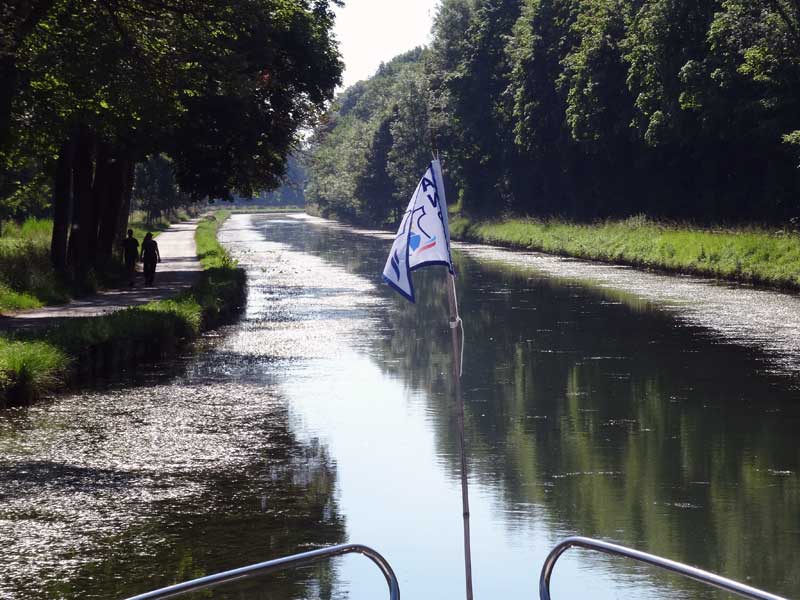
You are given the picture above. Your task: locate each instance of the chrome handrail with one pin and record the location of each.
(670, 565)
(277, 564)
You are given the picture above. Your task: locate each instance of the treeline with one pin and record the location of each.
(584, 109)
(209, 94)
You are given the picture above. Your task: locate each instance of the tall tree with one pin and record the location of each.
(543, 38)
(470, 71)
(222, 87)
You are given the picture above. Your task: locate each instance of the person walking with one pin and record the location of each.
(150, 256)
(130, 252)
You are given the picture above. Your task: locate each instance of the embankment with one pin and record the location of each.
(36, 363)
(748, 255)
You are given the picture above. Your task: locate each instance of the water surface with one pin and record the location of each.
(592, 407)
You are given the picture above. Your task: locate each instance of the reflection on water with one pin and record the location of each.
(325, 415)
(589, 412)
(117, 491)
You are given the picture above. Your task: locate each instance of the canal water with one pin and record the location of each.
(658, 412)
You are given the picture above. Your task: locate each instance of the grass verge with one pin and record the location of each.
(37, 363)
(750, 255)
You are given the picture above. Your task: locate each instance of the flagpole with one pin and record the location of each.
(456, 328)
(426, 219)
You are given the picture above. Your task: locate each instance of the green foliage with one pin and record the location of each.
(24, 192)
(155, 190)
(88, 89)
(29, 368)
(585, 109)
(599, 106)
(291, 192)
(366, 155)
(470, 75)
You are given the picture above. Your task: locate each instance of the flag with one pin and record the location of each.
(423, 238)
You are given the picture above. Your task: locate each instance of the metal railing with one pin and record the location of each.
(675, 567)
(278, 564)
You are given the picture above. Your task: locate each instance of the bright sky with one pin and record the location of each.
(373, 31)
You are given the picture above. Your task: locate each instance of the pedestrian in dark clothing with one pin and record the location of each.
(150, 256)
(130, 252)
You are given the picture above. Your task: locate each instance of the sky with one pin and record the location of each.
(373, 31)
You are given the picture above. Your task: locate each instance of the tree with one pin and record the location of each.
(221, 87)
(374, 187)
(544, 37)
(599, 108)
(470, 74)
(356, 170)
(155, 190)
(411, 137)
(585, 109)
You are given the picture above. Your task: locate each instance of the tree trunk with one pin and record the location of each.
(129, 174)
(82, 204)
(100, 196)
(62, 203)
(8, 85)
(117, 176)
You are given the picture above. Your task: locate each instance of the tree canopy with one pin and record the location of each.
(220, 87)
(584, 109)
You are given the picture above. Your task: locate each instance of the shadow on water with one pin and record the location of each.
(619, 419)
(191, 470)
(252, 515)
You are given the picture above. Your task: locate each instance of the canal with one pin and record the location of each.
(658, 412)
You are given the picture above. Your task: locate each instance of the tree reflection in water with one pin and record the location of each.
(611, 414)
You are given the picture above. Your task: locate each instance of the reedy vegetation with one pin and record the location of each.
(582, 109)
(27, 279)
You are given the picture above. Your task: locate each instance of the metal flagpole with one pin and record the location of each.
(457, 336)
(457, 328)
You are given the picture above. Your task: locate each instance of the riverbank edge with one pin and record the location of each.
(748, 255)
(34, 364)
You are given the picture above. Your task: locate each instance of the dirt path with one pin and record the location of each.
(178, 270)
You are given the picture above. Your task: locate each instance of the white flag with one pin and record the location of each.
(424, 236)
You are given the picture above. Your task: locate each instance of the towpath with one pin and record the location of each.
(178, 270)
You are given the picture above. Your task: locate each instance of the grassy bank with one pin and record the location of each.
(37, 363)
(749, 255)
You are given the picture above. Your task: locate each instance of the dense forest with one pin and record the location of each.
(211, 95)
(583, 109)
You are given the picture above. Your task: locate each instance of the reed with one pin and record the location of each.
(28, 367)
